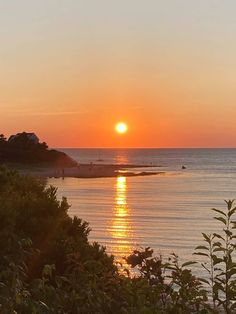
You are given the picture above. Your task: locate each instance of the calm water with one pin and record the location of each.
(167, 212)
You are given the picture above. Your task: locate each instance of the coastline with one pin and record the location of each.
(88, 171)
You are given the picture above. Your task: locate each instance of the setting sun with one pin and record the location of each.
(121, 128)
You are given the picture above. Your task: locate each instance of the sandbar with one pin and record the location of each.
(91, 171)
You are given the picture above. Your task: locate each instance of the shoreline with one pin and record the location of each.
(88, 171)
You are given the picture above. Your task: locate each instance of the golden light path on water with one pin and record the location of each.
(121, 229)
(167, 212)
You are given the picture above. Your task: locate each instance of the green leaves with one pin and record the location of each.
(201, 247)
(221, 219)
(188, 264)
(206, 237)
(48, 266)
(216, 260)
(219, 211)
(200, 253)
(216, 235)
(232, 211)
(221, 252)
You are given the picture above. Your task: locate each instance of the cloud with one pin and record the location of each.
(43, 113)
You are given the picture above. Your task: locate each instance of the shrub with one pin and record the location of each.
(36, 236)
(47, 265)
(220, 265)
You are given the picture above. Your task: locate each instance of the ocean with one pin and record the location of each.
(167, 212)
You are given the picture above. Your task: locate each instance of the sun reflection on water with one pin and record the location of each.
(121, 229)
(121, 158)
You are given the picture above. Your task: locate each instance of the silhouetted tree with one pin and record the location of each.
(22, 148)
(2, 138)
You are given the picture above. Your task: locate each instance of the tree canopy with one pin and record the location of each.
(22, 149)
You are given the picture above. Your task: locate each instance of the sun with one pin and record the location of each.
(121, 127)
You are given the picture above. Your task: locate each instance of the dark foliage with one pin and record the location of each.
(47, 265)
(26, 151)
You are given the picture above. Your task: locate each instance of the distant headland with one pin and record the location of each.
(24, 152)
(25, 148)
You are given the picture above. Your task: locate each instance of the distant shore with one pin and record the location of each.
(90, 171)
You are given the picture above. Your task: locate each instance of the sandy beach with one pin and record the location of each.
(91, 171)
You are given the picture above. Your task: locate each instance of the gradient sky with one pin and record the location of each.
(70, 69)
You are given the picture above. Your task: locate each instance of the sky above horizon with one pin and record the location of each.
(71, 69)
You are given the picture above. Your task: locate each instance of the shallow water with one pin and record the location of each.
(166, 212)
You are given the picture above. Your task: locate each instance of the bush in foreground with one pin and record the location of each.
(48, 266)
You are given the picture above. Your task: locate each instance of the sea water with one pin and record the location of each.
(166, 212)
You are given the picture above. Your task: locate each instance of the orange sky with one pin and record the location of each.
(71, 70)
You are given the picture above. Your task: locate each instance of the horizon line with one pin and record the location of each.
(144, 147)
